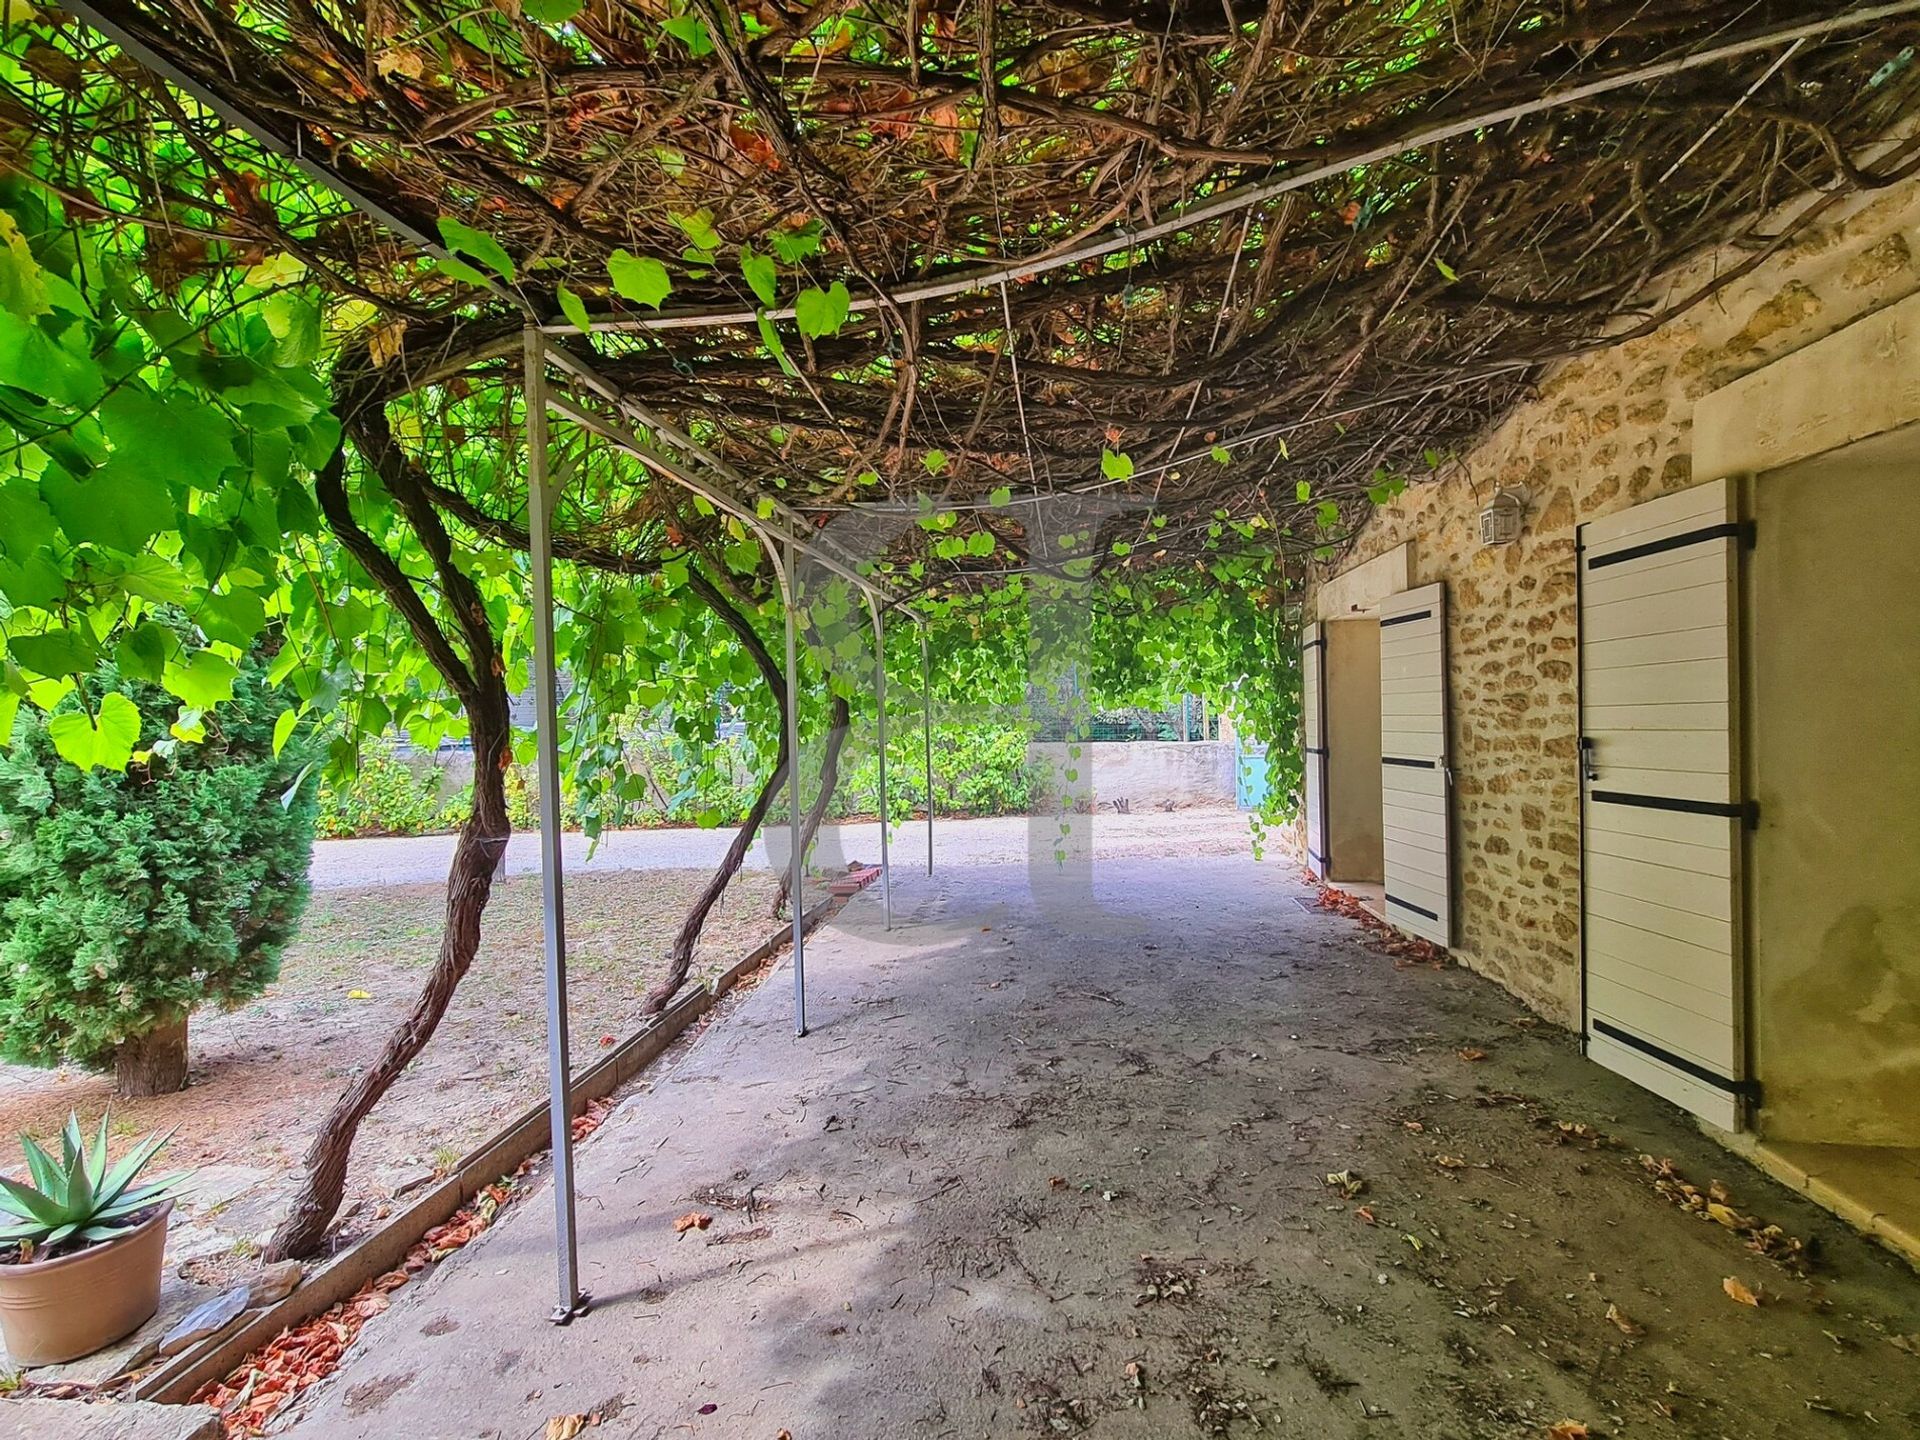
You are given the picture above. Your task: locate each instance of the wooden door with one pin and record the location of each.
(1661, 801)
(1313, 730)
(1416, 783)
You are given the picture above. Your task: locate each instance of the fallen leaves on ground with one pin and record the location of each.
(1739, 1293)
(1908, 1343)
(296, 1358)
(1569, 1430)
(1348, 1182)
(1715, 1203)
(1470, 1052)
(1406, 950)
(565, 1427)
(692, 1220)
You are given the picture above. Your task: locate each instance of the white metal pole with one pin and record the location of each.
(880, 707)
(926, 729)
(552, 900)
(797, 873)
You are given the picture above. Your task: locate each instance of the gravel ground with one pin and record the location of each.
(1161, 1151)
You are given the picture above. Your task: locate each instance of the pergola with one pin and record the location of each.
(1265, 260)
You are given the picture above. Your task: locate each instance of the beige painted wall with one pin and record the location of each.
(1607, 430)
(1833, 725)
(1356, 840)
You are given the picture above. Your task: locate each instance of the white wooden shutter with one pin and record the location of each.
(1661, 802)
(1313, 732)
(1415, 782)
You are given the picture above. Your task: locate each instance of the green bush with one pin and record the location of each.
(976, 771)
(386, 796)
(129, 899)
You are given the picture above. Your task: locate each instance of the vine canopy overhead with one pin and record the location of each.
(801, 178)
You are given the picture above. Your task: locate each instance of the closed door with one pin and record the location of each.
(1661, 802)
(1416, 783)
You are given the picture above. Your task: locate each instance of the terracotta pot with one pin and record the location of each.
(56, 1310)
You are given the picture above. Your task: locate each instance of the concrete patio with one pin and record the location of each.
(1171, 1154)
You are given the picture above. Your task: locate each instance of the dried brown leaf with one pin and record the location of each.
(1739, 1293)
(692, 1220)
(1618, 1318)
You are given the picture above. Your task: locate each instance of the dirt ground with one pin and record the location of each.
(263, 1076)
(1174, 1153)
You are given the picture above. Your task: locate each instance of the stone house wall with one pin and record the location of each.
(1606, 431)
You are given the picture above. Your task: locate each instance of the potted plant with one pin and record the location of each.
(81, 1246)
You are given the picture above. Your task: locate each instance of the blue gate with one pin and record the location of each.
(1250, 773)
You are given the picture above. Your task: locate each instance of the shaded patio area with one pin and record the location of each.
(1184, 1155)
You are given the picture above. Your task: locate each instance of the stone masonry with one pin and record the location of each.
(1605, 431)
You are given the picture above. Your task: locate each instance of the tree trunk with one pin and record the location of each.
(477, 679)
(680, 958)
(829, 782)
(152, 1064)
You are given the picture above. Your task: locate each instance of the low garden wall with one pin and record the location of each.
(1141, 774)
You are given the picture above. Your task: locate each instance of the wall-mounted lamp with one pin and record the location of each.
(1501, 520)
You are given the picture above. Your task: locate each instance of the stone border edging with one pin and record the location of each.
(181, 1377)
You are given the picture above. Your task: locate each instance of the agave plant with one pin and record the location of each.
(77, 1201)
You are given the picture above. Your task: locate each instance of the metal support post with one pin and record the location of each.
(926, 728)
(880, 707)
(553, 905)
(797, 875)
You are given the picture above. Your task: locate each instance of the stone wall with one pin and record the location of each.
(1606, 431)
(1142, 775)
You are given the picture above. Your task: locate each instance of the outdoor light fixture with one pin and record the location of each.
(1500, 520)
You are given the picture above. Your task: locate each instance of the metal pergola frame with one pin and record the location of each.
(776, 532)
(782, 540)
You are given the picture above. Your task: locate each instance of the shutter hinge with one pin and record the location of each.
(1749, 534)
(1750, 812)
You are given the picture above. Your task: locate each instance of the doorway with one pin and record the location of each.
(1356, 839)
(1832, 610)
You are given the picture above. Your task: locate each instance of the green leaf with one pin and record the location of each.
(690, 31)
(56, 652)
(461, 271)
(1116, 465)
(574, 308)
(23, 284)
(763, 276)
(822, 312)
(294, 323)
(235, 617)
(698, 228)
(1447, 272)
(770, 337)
(122, 505)
(171, 433)
(105, 743)
(639, 278)
(1221, 455)
(935, 461)
(202, 681)
(1001, 497)
(551, 12)
(981, 542)
(9, 712)
(283, 728)
(793, 246)
(142, 653)
(475, 244)
(1302, 491)
(25, 521)
(32, 360)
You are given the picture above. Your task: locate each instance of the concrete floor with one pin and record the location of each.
(1072, 1158)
